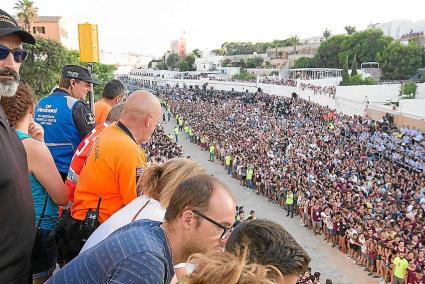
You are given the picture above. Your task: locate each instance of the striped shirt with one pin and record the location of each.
(136, 253)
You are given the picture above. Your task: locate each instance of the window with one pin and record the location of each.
(38, 30)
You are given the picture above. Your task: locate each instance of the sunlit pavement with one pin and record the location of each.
(330, 262)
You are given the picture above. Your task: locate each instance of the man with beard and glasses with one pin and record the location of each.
(17, 230)
(198, 219)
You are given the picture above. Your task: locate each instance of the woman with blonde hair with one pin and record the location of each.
(222, 267)
(155, 187)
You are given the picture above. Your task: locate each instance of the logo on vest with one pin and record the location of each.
(89, 118)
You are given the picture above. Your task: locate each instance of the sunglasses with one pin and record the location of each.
(226, 230)
(19, 54)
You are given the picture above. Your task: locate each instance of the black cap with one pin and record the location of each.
(9, 26)
(77, 72)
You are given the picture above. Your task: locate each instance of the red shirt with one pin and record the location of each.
(79, 160)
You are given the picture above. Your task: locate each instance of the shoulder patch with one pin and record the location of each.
(89, 118)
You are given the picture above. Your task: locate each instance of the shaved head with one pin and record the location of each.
(141, 114)
(141, 103)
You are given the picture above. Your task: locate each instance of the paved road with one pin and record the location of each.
(329, 261)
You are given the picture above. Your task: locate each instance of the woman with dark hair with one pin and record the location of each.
(48, 190)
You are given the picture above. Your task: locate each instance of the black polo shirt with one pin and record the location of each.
(17, 217)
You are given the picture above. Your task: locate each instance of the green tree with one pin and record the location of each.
(173, 61)
(43, 66)
(345, 75)
(162, 65)
(327, 34)
(303, 62)
(328, 51)
(27, 13)
(365, 45)
(102, 73)
(226, 62)
(190, 60)
(408, 89)
(400, 62)
(197, 53)
(219, 51)
(350, 29)
(184, 66)
(354, 66)
(244, 75)
(295, 40)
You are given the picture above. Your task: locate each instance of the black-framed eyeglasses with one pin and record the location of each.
(226, 230)
(19, 54)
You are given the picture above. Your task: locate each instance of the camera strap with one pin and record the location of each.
(42, 212)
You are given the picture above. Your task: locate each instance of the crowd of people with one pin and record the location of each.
(321, 90)
(323, 166)
(277, 81)
(107, 197)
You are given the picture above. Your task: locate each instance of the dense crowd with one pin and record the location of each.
(323, 166)
(162, 147)
(321, 90)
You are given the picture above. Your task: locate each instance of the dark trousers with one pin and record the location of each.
(290, 210)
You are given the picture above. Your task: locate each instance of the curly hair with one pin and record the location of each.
(223, 267)
(17, 106)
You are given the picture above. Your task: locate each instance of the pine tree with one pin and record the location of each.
(354, 66)
(345, 76)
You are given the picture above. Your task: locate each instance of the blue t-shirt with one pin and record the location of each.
(135, 253)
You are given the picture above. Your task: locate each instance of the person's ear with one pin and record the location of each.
(187, 219)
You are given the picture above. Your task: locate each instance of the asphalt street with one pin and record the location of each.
(330, 262)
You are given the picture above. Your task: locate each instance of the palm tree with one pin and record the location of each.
(27, 13)
(295, 40)
(350, 29)
(327, 34)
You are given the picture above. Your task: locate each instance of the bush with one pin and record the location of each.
(408, 90)
(244, 75)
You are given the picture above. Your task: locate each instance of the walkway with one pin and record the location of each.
(329, 261)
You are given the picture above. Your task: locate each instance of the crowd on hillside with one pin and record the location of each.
(359, 186)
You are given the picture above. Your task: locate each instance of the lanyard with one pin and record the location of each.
(125, 129)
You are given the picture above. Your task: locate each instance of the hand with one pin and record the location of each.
(36, 131)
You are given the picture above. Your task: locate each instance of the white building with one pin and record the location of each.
(209, 63)
(125, 59)
(398, 28)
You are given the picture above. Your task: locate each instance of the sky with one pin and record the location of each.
(148, 26)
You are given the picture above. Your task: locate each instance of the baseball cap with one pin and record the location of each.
(8, 26)
(77, 72)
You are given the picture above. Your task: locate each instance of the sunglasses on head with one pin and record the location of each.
(19, 54)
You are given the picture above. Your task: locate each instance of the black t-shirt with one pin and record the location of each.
(17, 217)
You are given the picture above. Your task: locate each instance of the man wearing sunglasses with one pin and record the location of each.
(64, 116)
(17, 228)
(198, 219)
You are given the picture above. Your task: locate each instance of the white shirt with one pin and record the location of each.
(152, 211)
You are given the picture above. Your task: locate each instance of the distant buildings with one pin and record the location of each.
(398, 28)
(50, 27)
(179, 46)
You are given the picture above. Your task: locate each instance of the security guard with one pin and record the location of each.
(176, 133)
(65, 118)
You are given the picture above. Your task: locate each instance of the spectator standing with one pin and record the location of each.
(112, 94)
(198, 219)
(108, 180)
(17, 230)
(65, 117)
(48, 190)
